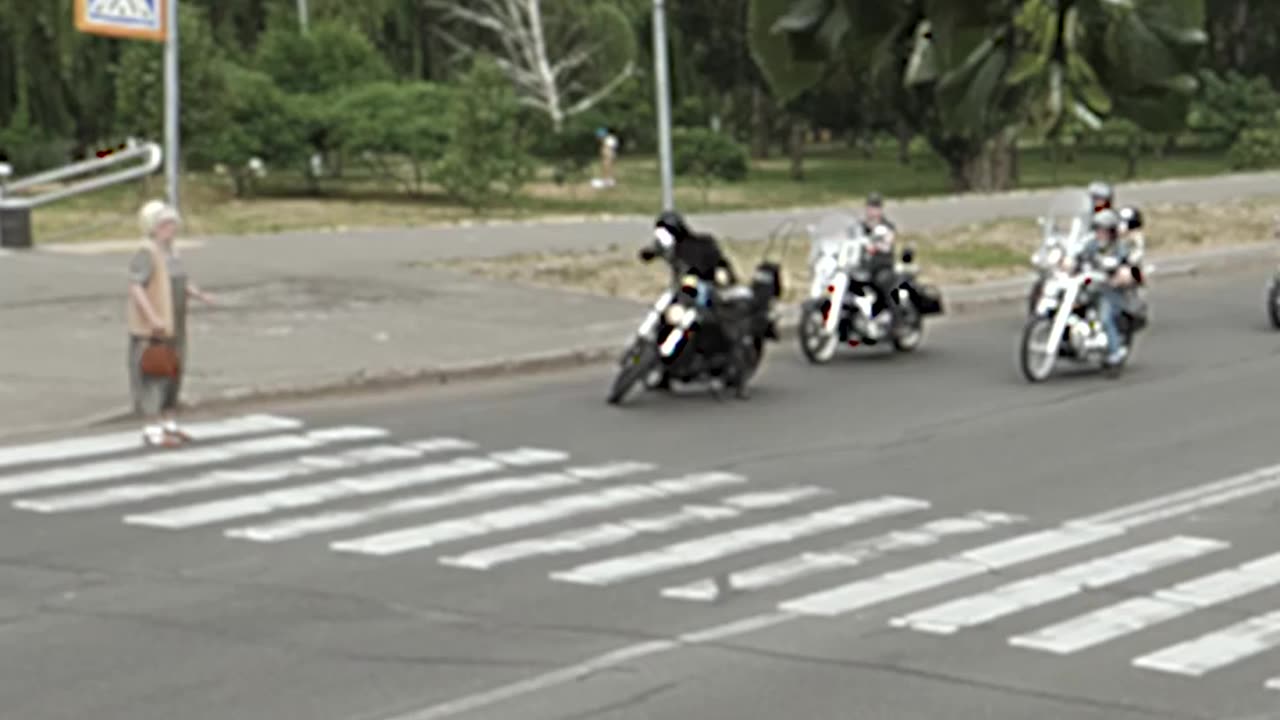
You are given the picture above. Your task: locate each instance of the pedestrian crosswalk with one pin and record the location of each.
(698, 537)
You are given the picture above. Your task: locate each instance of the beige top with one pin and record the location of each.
(159, 291)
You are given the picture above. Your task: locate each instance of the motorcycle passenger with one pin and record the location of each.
(880, 264)
(699, 254)
(1106, 252)
(1131, 234)
(1102, 195)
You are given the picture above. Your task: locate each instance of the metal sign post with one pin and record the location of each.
(172, 102)
(157, 21)
(662, 89)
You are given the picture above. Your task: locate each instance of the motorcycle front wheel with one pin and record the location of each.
(1034, 358)
(1037, 289)
(818, 347)
(639, 361)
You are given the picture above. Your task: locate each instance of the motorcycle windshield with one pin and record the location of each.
(833, 233)
(1067, 223)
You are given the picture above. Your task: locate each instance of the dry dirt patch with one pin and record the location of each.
(959, 256)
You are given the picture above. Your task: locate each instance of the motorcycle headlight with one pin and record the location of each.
(1056, 255)
(674, 313)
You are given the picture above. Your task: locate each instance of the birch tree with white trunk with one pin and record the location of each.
(564, 58)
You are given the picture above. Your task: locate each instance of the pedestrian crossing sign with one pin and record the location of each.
(129, 19)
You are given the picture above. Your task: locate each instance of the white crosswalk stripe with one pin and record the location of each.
(268, 479)
(111, 470)
(292, 528)
(1137, 614)
(715, 547)
(521, 516)
(613, 533)
(1041, 590)
(1217, 650)
(217, 511)
(275, 472)
(851, 555)
(82, 447)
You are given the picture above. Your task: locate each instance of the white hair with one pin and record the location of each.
(155, 213)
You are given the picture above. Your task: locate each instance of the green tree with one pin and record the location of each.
(969, 74)
(202, 83)
(563, 57)
(486, 148)
(1230, 103)
(395, 127)
(329, 57)
(708, 156)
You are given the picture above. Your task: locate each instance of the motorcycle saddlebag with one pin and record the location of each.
(1137, 314)
(926, 298)
(766, 283)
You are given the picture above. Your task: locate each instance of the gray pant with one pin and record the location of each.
(153, 396)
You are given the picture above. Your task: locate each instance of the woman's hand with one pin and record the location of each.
(202, 296)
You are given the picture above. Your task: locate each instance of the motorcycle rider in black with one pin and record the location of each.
(881, 264)
(699, 254)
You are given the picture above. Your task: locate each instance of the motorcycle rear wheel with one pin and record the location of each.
(913, 334)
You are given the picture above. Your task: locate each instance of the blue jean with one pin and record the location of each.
(1109, 307)
(704, 294)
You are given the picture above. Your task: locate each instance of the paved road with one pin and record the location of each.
(378, 557)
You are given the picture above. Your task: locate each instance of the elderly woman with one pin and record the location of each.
(156, 313)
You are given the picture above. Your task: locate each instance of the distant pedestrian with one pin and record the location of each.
(608, 155)
(157, 321)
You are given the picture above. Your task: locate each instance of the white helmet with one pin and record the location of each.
(1106, 219)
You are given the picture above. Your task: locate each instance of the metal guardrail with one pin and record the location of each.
(152, 152)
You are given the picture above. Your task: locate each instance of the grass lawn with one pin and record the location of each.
(977, 253)
(835, 175)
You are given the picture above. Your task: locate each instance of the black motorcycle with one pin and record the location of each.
(682, 341)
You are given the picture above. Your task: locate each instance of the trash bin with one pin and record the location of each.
(15, 228)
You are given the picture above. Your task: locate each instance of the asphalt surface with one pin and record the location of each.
(165, 616)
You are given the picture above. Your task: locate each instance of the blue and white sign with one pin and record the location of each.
(140, 19)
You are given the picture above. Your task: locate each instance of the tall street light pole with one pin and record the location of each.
(663, 91)
(302, 15)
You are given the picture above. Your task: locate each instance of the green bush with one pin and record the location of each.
(262, 123)
(1256, 149)
(708, 156)
(487, 150)
(400, 129)
(31, 150)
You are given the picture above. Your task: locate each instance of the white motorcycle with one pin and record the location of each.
(1065, 230)
(842, 298)
(1067, 323)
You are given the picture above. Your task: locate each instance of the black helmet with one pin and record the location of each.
(1101, 194)
(674, 223)
(1130, 218)
(875, 199)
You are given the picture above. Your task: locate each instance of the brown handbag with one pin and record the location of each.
(160, 360)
